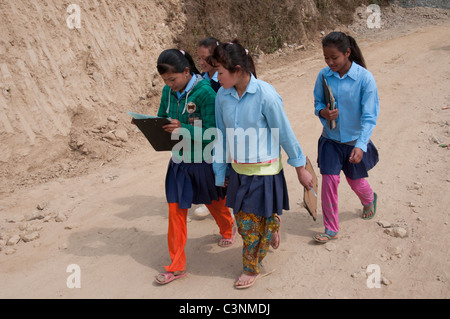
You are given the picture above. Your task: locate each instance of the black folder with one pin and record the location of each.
(310, 196)
(329, 99)
(151, 127)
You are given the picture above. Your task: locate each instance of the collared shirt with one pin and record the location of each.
(214, 77)
(356, 96)
(257, 128)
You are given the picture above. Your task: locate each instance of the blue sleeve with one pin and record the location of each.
(276, 118)
(370, 109)
(219, 153)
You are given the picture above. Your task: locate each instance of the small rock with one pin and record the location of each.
(14, 219)
(30, 237)
(9, 251)
(110, 136)
(436, 140)
(42, 206)
(13, 240)
(395, 250)
(24, 226)
(112, 118)
(384, 224)
(121, 134)
(37, 214)
(399, 232)
(60, 218)
(385, 281)
(109, 178)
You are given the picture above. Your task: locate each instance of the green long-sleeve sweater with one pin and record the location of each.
(199, 106)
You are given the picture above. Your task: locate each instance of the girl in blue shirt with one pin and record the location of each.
(251, 119)
(346, 147)
(205, 49)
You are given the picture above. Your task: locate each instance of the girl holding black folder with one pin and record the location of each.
(346, 147)
(188, 99)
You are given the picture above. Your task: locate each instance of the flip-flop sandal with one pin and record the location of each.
(227, 242)
(374, 208)
(248, 284)
(168, 277)
(275, 243)
(318, 236)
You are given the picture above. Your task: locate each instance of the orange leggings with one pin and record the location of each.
(177, 234)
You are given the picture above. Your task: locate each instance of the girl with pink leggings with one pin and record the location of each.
(347, 146)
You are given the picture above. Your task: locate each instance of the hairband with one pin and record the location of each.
(182, 52)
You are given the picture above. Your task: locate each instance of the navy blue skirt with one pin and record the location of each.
(192, 183)
(333, 157)
(259, 195)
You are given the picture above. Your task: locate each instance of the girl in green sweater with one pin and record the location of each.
(189, 101)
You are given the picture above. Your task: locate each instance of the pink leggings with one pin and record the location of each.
(329, 194)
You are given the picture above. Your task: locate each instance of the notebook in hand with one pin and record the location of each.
(151, 127)
(310, 196)
(329, 99)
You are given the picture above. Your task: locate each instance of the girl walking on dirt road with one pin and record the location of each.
(257, 191)
(187, 99)
(346, 147)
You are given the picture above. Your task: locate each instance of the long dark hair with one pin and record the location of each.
(343, 42)
(209, 43)
(232, 54)
(176, 61)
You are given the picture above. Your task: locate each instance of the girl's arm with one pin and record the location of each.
(220, 164)
(277, 119)
(163, 104)
(370, 108)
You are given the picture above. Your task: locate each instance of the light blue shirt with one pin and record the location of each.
(214, 77)
(260, 111)
(356, 96)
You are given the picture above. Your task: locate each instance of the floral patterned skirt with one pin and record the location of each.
(257, 233)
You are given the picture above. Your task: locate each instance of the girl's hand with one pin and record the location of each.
(329, 114)
(226, 182)
(356, 155)
(173, 126)
(304, 177)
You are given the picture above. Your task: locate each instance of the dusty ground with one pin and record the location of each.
(116, 214)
